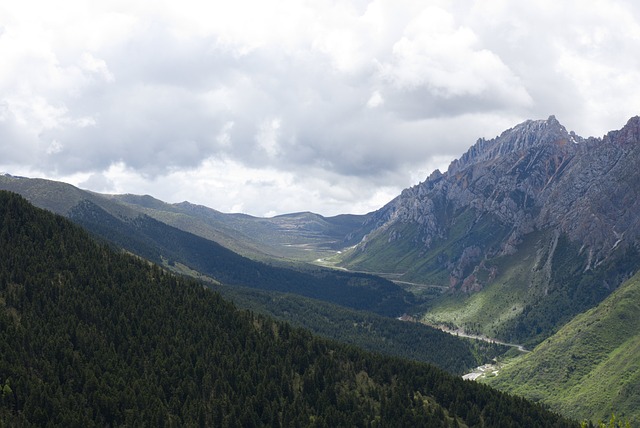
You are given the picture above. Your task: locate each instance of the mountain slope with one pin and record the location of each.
(571, 205)
(389, 336)
(90, 337)
(193, 255)
(163, 244)
(591, 366)
(300, 236)
(59, 197)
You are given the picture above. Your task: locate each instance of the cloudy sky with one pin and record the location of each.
(268, 107)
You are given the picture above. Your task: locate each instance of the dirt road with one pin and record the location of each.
(461, 333)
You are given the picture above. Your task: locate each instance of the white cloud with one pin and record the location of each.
(54, 148)
(98, 183)
(267, 137)
(376, 100)
(97, 66)
(224, 137)
(446, 60)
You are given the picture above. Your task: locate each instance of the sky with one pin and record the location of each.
(271, 107)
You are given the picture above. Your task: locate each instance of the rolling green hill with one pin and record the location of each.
(93, 337)
(589, 368)
(301, 237)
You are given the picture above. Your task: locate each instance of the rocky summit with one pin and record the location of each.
(533, 186)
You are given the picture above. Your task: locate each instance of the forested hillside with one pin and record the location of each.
(117, 220)
(90, 337)
(412, 340)
(125, 226)
(161, 243)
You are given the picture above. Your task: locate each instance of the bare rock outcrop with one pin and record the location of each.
(534, 176)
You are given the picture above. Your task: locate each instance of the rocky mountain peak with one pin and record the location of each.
(521, 137)
(543, 220)
(535, 176)
(629, 134)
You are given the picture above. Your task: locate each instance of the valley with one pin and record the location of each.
(320, 214)
(90, 336)
(525, 252)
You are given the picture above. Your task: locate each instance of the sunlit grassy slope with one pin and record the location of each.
(515, 285)
(591, 367)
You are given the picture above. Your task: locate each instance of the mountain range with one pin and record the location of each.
(533, 177)
(521, 235)
(126, 224)
(351, 307)
(525, 230)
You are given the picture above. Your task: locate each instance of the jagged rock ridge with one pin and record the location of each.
(535, 176)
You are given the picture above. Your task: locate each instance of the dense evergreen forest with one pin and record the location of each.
(93, 337)
(412, 340)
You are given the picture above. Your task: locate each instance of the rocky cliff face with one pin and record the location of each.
(535, 176)
(595, 201)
